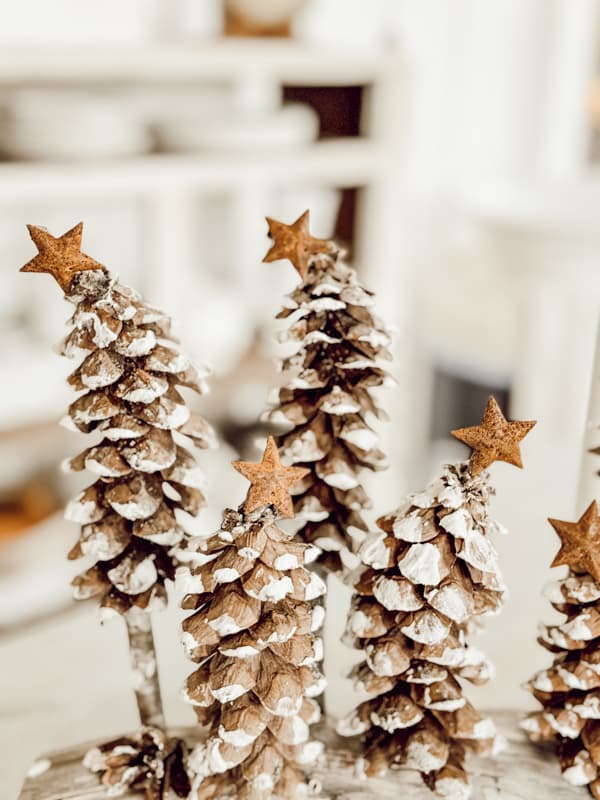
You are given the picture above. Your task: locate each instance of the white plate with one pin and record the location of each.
(287, 127)
(69, 125)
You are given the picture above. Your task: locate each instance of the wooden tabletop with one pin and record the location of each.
(521, 772)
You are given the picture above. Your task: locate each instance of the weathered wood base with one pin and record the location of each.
(521, 772)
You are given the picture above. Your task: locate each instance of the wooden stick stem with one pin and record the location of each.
(144, 668)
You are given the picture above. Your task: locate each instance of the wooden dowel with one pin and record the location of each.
(144, 668)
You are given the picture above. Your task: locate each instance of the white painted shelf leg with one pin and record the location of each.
(589, 475)
(381, 258)
(168, 248)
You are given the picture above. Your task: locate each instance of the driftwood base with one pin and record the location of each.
(521, 772)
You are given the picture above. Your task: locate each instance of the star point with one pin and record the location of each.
(580, 542)
(295, 243)
(270, 481)
(494, 439)
(59, 256)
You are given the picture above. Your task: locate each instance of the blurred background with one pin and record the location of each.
(452, 147)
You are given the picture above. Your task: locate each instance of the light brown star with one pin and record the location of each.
(59, 256)
(270, 481)
(580, 542)
(495, 439)
(295, 243)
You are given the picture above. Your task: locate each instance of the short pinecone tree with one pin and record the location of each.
(427, 576)
(253, 635)
(328, 399)
(569, 690)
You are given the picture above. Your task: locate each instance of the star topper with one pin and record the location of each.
(59, 256)
(270, 481)
(495, 439)
(295, 243)
(580, 542)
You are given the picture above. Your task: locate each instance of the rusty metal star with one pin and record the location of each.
(580, 542)
(270, 481)
(495, 439)
(295, 243)
(59, 256)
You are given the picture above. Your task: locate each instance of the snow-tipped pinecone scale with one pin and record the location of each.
(253, 632)
(129, 379)
(328, 401)
(569, 690)
(151, 762)
(427, 576)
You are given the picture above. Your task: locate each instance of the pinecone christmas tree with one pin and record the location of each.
(328, 399)
(569, 690)
(426, 577)
(130, 516)
(253, 634)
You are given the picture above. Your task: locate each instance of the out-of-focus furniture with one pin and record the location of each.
(252, 18)
(164, 186)
(547, 236)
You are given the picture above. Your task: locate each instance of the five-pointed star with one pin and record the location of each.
(495, 439)
(580, 542)
(59, 256)
(295, 243)
(270, 481)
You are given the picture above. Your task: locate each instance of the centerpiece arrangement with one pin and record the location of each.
(256, 589)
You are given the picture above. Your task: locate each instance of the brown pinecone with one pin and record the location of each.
(328, 401)
(253, 634)
(427, 575)
(150, 762)
(569, 690)
(129, 379)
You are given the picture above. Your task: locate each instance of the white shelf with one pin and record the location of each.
(21, 402)
(286, 60)
(339, 163)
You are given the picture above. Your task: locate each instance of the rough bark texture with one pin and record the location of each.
(569, 690)
(328, 401)
(427, 575)
(253, 633)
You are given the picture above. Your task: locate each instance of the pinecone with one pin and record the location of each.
(128, 377)
(427, 575)
(253, 634)
(328, 401)
(150, 762)
(569, 690)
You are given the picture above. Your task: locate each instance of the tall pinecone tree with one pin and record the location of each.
(569, 690)
(328, 398)
(130, 518)
(253, 634)
(427, 576)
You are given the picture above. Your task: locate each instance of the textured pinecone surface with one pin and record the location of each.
(569, 690)
(253, 634)
(427, 575)
(150, 762)
(129, 377)
(328, 402)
